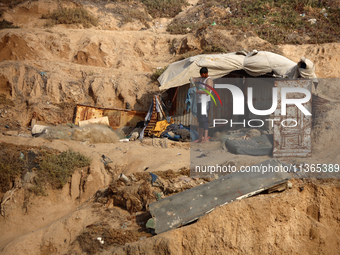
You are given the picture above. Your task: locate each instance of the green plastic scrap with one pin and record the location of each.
(151, 223)
(158, 196)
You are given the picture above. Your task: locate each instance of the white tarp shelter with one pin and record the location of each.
(255, 63)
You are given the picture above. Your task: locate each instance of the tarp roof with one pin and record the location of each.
(255, 63)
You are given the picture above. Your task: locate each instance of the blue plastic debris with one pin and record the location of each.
(153, 178)
(106, 160)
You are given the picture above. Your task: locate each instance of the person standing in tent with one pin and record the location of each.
(203, 103)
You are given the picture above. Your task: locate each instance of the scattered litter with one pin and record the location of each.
(214, 23)
(124, 225)
(202, 155)
(312, 21)
(153, 178)
(100, 240)
(106, 160)
(124, 140)
(124, 178)
(134, 136)
(38, 129)
(151, 223)
(289, 185)
(159, 196)
(43, 74)
(21, 156)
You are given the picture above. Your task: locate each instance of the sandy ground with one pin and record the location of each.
(108, 67)
(295, 222)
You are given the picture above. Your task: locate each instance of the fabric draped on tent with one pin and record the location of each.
(255, 63)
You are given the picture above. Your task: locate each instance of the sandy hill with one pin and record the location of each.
(47, 70)
(109, 65)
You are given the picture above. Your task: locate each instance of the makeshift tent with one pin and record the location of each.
(255, 63)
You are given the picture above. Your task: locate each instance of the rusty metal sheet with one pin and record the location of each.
(187, 206)
(293, 141)
(84, 112)
(117, 117)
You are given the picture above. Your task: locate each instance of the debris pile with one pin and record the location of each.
(136, 191)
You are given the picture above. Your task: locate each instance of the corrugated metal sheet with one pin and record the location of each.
(187, 206)
(117, 117)
(293, 141)
(262, 90)
(179, 113)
